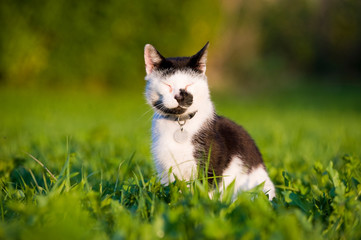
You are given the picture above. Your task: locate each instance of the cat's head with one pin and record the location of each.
(176, 86)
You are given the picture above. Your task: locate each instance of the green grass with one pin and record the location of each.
(97, 147)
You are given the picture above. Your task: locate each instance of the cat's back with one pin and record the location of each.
(225, 140)
(237, 139)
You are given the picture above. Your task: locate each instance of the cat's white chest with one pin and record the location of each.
(173, 150)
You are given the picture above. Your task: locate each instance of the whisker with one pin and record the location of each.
(148, 111)
(156, 108)
(154, 115)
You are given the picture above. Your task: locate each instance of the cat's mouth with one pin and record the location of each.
(158, 105)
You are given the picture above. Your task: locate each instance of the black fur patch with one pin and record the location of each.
(224, 139)
(169, 66)
(195, 63)
(173, 111)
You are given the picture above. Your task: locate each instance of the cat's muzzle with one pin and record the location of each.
(184, 100)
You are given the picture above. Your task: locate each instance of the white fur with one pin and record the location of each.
(244, 181)
(167, 152)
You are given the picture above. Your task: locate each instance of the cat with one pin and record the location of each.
(187, 133)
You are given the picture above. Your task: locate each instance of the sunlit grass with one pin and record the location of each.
(98, 180)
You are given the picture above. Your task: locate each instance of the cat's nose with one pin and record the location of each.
(179, 98)
(184, 98)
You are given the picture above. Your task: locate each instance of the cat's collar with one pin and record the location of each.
(180, 117)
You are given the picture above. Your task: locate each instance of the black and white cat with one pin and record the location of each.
(186, 129)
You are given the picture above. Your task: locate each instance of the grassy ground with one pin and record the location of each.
(102, 182)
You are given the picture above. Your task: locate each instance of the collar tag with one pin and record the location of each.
(181, 135)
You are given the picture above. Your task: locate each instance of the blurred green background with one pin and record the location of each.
(99, 44)
(71, 95)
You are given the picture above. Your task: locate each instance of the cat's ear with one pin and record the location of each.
(199, 60)
(152, 58)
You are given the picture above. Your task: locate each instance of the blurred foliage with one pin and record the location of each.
(95, 42)
(100, 44)
(315, 36)
(275, 41)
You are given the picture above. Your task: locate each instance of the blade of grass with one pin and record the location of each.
(116, 181)
(41, 164)
(68, 164)
(64, 173)
(45, 183)
(34, 179)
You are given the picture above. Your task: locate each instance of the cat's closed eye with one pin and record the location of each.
(170, 87)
